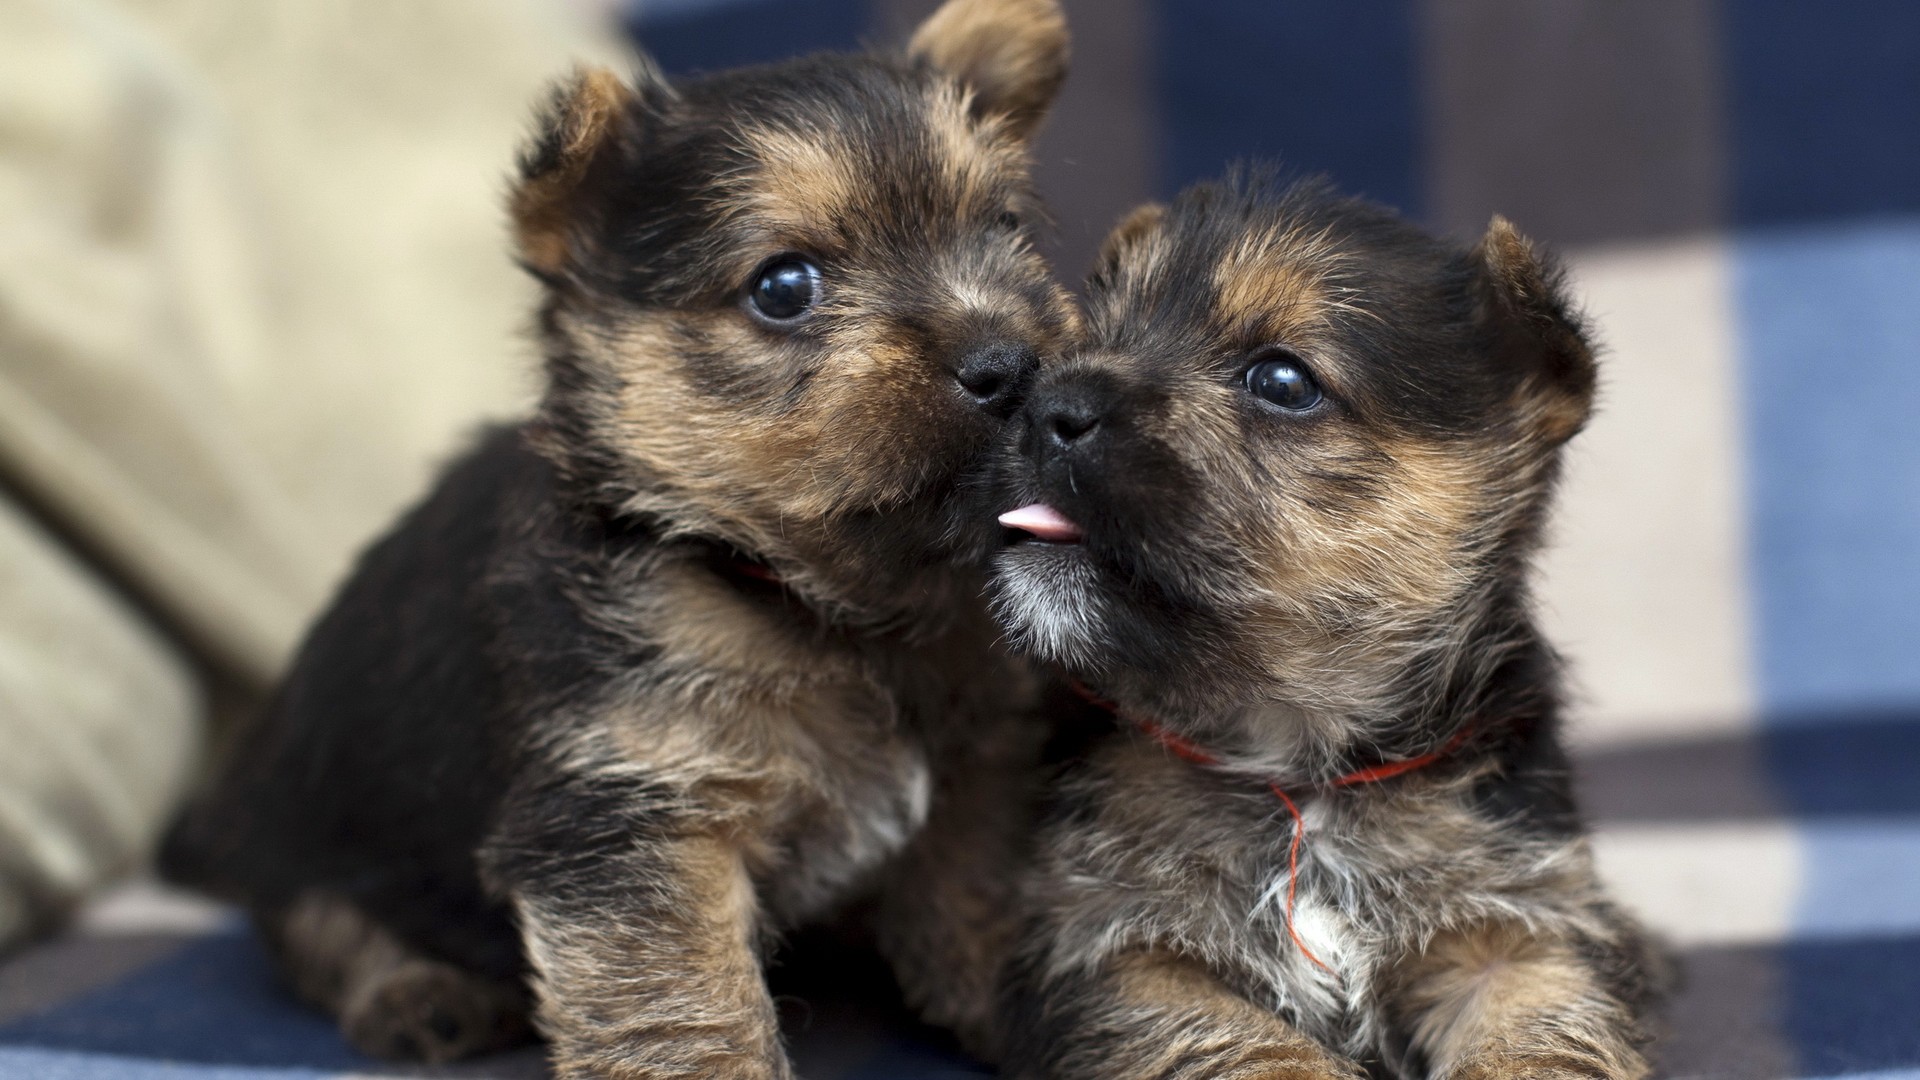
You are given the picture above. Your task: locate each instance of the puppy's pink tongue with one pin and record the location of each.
(1044, 522)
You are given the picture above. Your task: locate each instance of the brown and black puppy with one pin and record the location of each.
(1279, 509)
(698, 653)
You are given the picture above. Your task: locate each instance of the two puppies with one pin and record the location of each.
(1279, 508)
(697, 654)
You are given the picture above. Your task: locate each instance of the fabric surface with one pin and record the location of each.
(1735, 578)
(253, 287)
(154, 984)
(253, 279)
(82, 790)
(1781, 864)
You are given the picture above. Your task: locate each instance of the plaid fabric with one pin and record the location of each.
(1737, 187)
(157, 985)
(1784, 862)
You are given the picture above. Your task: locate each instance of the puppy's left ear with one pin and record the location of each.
(1011, 53)
(589, 119)
(1537, 330)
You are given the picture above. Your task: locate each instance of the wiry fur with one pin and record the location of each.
(1304, 594)
(696, 654)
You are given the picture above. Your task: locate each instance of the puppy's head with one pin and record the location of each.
(1300, 459)
(789, 308)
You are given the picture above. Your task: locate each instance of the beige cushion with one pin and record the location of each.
(253, 278)
(253, 287)
(99, 719)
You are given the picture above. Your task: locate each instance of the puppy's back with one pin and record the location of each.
(379, 763)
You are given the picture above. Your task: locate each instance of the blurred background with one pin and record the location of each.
(254, 286)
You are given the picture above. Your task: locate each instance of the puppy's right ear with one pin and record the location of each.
(1538, 330)
(1011, 53)
(588, 115)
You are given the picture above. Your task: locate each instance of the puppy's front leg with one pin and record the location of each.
(1499, 1002)
(1157, 1015)
(949, 914)
(641, 925)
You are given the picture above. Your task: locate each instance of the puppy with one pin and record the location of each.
(697, 654)
(1279, 510)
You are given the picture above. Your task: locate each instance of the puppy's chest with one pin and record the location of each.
(860, 789)
(1314, 944)
(1309, 944)
(801, 740)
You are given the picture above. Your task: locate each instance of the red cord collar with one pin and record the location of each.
(755, 569)
(1188, 750)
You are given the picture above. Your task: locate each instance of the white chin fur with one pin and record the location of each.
(1049, 600)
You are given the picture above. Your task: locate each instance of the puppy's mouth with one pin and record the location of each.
(1039, 523)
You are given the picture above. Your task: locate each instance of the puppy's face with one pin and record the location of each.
(1301, 443)
(792, 307)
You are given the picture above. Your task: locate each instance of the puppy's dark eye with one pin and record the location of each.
(1010, 221)
(787, 289)
(1283, 380)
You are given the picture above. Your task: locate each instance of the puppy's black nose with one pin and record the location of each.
(996, 374)
(1067, 421)
(1062, 417)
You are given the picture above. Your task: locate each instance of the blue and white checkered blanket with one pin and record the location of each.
(1786, 863)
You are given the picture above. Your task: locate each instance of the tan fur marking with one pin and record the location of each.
(804, 181)
(1011, 53)
(677, 994)
(799, 465)
(702, 623)
(1170, 1014)
(972, 153)
(704, 450)
(750, 713)
(1555, 414)
(1498, 1001)
(1409, 548)
(1280, 297)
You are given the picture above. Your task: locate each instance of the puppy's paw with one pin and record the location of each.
(423, 1010)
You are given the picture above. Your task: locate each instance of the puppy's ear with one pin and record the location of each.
(1126, 237)
(1011, 53)
(1537, 330)
(587, 118)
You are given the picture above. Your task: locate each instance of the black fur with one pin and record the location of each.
(450, 637)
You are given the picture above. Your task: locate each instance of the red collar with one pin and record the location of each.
(743, 568)
(755, 569)
(1188, 750)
